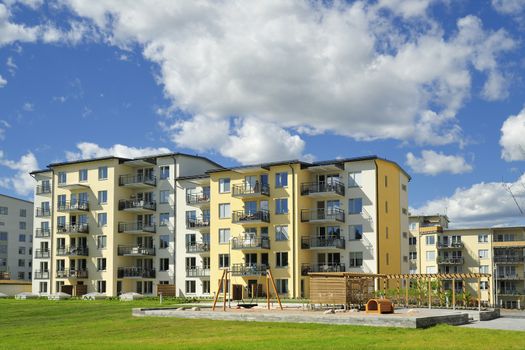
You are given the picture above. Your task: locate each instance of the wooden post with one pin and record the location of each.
(464, 292)
(218, 291)
(479, 294)
(429, 293)
(267, 291)
(488, 290)
(398, 291)
(275, 288)
(224, 289)
(453, 294)
(407, 285)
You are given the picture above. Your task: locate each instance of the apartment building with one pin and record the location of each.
(16, 239)
(109, 224)
(434, 248)
(297, 217)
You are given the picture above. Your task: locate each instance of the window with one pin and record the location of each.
(484, 269)
(386, 181)
(483, 238)
(404, 187)
(22, 225)
(21, 250)
(281, 206)
(355, 205)
(102, 219)
(164, 172)
(4, 210)
(82, 175)
(281, 233)
(430, 240)
(164, 264)
(386, 206)
(281, 259)
(484, 285)
(224, 211)
(101, 242)
(3, 236)
(21, 238)
(103, 173)
(164, 241)
(101, 264)
(412, 255)
(164, 219)
(281, 285)
(190, 287)
(224, 260)
(21, 275)
(102, 197)
(101, 286)
(354, 179)
(224, 185)
(405, 211)
(431, 269)
(21, 263)
(431, 256)
(224, 235)
(355, 232)
(164, 197)
(3, 249)
(62, 178)
(356, 259)
(43, 287)
(281, 179)
(413, 226)
(412, 241)
(205, 287)
(483, 253)
(23, 213)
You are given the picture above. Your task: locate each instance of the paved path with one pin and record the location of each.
(504, 323)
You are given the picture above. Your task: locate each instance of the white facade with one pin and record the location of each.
(16, 239)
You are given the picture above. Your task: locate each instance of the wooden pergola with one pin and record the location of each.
(346, 288)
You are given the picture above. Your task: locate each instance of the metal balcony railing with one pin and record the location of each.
(77, 228)
(511, 292)
(42, 253)
(42, 212)
(451, 261)
(135, 250)
(197, 223)
(334, 214)
(450, 245)
(137, 179)
(135, 272)
(73, 206)
(322, 242)
(197, 198)
(248, 190)
(71, 273)
(198, 247)
(73, 251)
(43, 189)
(197, 272)
(248, 270)
(42, 233)
(331, 267)
(124, 204)
(509, 259)
(41, 274)
(124, 227)
(509, 276)
(250, 243)
(242, 216)
(334, 186)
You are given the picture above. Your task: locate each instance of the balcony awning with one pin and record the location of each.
(75, 186)
(337, 167)
(140, 163)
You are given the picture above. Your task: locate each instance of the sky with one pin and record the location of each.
(434, 85)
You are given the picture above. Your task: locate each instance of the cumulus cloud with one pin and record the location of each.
(342, 68)
(3, 82)
(482, 204)
(87, 150)
(3, 126)
(11, 32)
(511, 141)
(433, 163)
(508, 6)
(21, 182)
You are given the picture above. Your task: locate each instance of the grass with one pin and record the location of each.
(76, 324)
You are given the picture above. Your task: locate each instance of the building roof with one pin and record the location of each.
(34, 172)
(259, 165)
(358, 159)
(18, 199)
(87, 160)
(193, 177)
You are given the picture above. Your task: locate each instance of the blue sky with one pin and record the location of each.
(434, 85)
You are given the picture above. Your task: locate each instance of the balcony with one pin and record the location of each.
(73, 229)
(42, 212)
(42, 233)
(43, 190)
(136, 227)
(135, 272)
(247, 190)
(135, 251)
(509, 276)
(509, 259)
(509, 244)
(250, 243)
(199, 224)
(197, 272)
(323, 215)
(317, 242)
(332, 267)
(450, 245)
(248, 217)
(511, 292)
(450, 261)
(73, 207)
(323, 189)
(42, 254)
(73, 251)
(70, 273)
(198, 199)
(430, 229)
(137, 181)
(137, 205)
(248, 270)
(41, 275)
(196, 247)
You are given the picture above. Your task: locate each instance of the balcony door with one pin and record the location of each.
(250, 259)
(332, 206)
(250, 207)
(44, 246)
(250, 183)
(328, 259)
(146, 242)
(44, 266)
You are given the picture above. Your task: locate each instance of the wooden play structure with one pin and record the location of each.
(254, 291)
(421, 290)
(379, 306)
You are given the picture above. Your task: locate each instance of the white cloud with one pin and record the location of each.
(512, 141)
(11, 65)
(433, 163)
(496, 87)
(3, 82)
(3, 126)
(482, 204)
(11, 32)
(21, 182)
(309, 66)
(87, 150)
(508, 6)
(34, 4)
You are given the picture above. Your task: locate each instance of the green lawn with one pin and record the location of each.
(75, 324)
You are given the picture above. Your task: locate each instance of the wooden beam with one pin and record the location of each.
(407, 286)
(479, 294)
(453, 294)
(218, 291)
(275, 288)
(429, 294)
(267, 291)
(224, 289)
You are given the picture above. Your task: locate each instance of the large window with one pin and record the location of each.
(164, 264)
(412, 255)
(281, 206)
(412, 240)
(224, 235)
(62, 178)
(281, 259)
(281, 179)
(431, 256)
(164, 241)
(224, 260)
(23, 213)
(103, 173)
(102, 219)
(484, 269)
(354, 179)
(101, 242)
(224, 185)
(21, 238)
(4, 210)
(101, 264)
(3, 236)
(164, 219)
(164, 196)
(483, 253)
(190, 287)
(356, 259)
(355, 232)
(22, 225)
(164, 172)
(483, 238)
(224, 211)
(102, 197)
(430, 240)
(101, 286)
(281, 285)
(281, 233)
(355, 205)
(82, 175)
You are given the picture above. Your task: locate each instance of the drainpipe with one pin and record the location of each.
(293, 234)
(176, 221)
